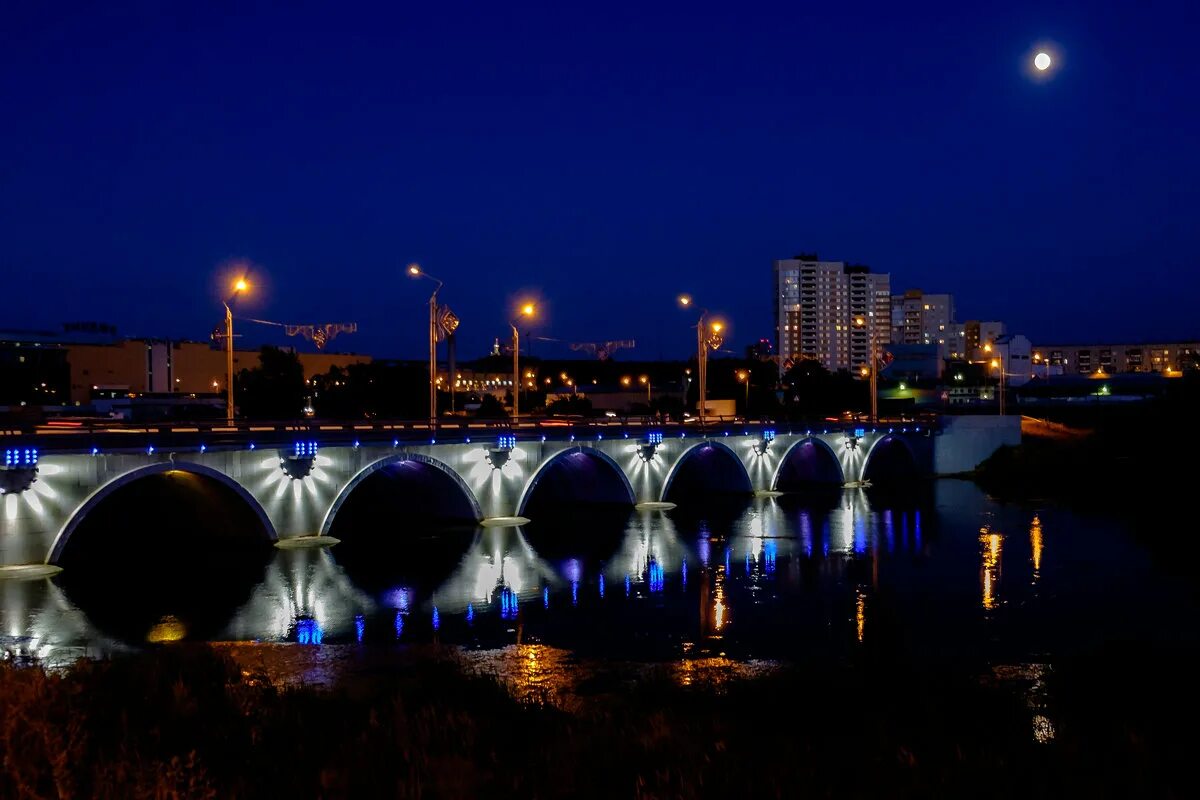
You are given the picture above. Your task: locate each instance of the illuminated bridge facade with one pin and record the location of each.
(293, 481)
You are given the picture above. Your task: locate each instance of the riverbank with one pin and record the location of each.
(190, 721)
(1109, 466)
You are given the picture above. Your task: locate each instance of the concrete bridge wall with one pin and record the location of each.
(36, 524)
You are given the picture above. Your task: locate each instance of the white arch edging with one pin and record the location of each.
(387, 461)
(689, 452)
(912, 456)
(95, 498)
(600, 455)
(820, 443)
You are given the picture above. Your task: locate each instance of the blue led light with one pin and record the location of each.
(860, 432)
(655, 576)
(252, 445)
(203, 448)
(768, 435)
(308, 631)
(601, 585)
(470, 613)
(304, 449)
(546, 597)
(95, 451)
(150, 450)
(360, 627)
(654, 437)
(437, 619)
(506, 441)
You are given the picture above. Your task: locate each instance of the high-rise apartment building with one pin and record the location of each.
(919, 318)
(817, 303)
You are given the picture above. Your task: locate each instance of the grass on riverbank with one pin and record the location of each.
(184, 722)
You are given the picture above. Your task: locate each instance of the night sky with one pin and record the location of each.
(600, 158)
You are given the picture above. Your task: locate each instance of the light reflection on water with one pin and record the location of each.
(703, 596)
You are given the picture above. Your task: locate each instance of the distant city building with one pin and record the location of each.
(816, 304)
(1085, 359)
(1014, 354)
(98, 363)
(964, 339)
(919, 318)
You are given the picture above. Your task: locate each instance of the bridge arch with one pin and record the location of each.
(726, 474)
(808, 461)
(96, 498)
(889, 460)
(579, 475)
(440, 473)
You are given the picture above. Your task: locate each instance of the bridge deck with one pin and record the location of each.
(119, 437)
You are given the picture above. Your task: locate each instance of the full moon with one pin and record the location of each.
(1042, 61)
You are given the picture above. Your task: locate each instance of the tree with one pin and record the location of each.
(572, 405)
(810, 391)
(490, 407)
(274, 389)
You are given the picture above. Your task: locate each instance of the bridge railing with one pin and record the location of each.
(120, 436)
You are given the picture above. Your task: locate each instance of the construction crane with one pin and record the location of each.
(601, 350)
(320, 334)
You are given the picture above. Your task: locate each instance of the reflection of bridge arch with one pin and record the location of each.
(715, 480)
(605, 486)
(163, 468)
(393, 460)
(889, 459)
(827, 470)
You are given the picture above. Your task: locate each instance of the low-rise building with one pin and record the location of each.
(1085, 359)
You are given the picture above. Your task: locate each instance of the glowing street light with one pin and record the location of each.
(415, 271)
(743, 376)
(998, 363)
(645, 381)
(708, 335)
(240, 286)
(526, 310)
(862, 322)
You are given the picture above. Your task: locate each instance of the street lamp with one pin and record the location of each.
(645, 381)
(874, 367)
(415, 271)
(239, 286)
(708, 335)
(743, 376)
(998, 363)
(526, 310)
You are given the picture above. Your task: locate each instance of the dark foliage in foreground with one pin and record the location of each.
(185, 722)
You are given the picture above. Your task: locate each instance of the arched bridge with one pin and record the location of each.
(292, 481)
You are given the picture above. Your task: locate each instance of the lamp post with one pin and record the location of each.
(239, 286)
(645, 381)
(874, 367)
(416, 271)
(707, 335)
(743, 375)
(527, 310)
(998, 363)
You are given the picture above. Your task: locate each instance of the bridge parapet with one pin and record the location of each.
(496, 470)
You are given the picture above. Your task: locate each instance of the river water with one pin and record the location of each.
(941, 573)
